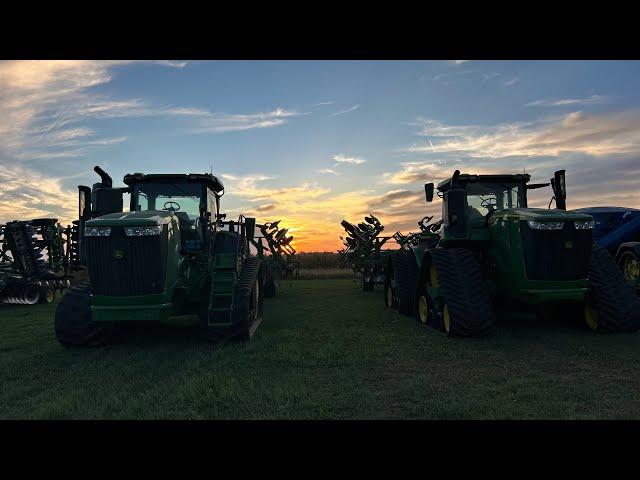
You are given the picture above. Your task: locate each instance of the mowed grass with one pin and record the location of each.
(326, 350)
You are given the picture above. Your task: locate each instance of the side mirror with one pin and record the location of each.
(560, 189)
(250, 227)
(455, 217)
(428, 190)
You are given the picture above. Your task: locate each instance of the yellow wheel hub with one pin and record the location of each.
(631, 269)
(423, 309)
(434, 276)
(591, 316)
(447, 319)
(51, 295)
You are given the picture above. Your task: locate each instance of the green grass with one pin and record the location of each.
(325, 351)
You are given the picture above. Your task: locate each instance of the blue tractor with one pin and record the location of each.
(617, 229)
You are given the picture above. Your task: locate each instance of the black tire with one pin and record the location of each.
(406, 275)
(73, 324)
(270, 289)
(617, 307)
(367, 282)
(389, 294)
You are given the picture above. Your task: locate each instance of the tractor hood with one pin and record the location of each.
(145, 218)
(541, 214)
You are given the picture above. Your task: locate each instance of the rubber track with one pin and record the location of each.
(244, 285)
(465, 292)
(618, 307)
(406, 273)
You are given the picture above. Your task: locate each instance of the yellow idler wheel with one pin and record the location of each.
(590, 315)
(50, 295)
(434, 276)
(423, 309)
(389, 296)
(446, 319)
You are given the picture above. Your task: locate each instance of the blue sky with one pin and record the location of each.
(313, 142)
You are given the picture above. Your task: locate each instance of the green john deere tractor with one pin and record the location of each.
(173, 253)
(492, 249)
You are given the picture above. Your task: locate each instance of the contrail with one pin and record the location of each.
(432, 147)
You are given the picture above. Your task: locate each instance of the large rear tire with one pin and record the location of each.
(74, 326)
(611, 305)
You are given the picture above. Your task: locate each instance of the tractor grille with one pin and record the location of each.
(121, 265)
(556, 254)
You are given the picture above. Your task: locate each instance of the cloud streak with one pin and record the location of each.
(342, 112)
(564, 102)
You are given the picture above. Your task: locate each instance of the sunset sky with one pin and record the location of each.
(313, 142)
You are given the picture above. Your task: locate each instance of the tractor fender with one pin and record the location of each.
(419, 252)
(624, 247)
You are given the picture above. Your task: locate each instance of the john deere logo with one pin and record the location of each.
(118, 254)
(568, 244)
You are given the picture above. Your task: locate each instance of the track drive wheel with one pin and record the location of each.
(73, 324)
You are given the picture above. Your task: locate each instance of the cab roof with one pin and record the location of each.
(465, 178)
(209, 180)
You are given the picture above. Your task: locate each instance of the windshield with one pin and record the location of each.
(483, 198)
(180, 197)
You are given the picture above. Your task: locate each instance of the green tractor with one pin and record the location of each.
(172, 254)
(34, 261)
(492, 249)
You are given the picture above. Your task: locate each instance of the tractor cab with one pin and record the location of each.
(473, 203)
(193, 199)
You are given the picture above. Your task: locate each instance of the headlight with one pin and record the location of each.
(142, 231)
(545, 225)
(585, 224)
(97, 231)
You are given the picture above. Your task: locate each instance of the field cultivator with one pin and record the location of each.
(363, 251)
(492, 249)
(35, 261)
(278, 256)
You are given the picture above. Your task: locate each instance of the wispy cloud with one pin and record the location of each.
(511, 82)
(344, 159)
(563, 102)
(329, 171)
(342, 112)
(594, 134)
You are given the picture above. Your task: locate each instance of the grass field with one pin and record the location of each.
(325, 351)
